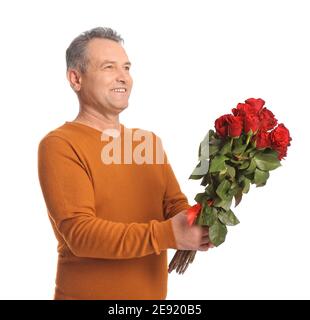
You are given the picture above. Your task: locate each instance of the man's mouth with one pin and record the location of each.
(121, 90)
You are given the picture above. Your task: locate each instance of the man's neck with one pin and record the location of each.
(98, 121)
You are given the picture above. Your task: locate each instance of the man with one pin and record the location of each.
(114, 221)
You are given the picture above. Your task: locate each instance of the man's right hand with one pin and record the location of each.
(190, 237)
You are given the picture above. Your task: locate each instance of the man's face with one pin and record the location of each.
(106, 84)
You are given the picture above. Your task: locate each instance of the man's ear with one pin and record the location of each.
(75, 79)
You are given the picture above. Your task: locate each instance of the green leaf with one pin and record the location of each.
(221, 175)
(231, 171)
(210, 215)
(222, 189)
(252, 153)
(260, 177)
(200, 170)
(201, 197)
(246, 185)
(251, 167)
(205, 180)
(228, 218)
(238, 197)
(210, 191)
(218, 163)
(226, 148)
(201, 220)
(194, 177)
(213, 149)
(234, 184)
(217, 233)
(234, 188)
(239, 146)
(209, 141)
(224, 204)
(250, 177)
(204, 150)
(251, 147)
(233, 191)
(241, 178)
(213, 138)
(245, 164)
(236, 161)
(267, 160)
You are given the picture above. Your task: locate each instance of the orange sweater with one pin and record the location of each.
(111, 220)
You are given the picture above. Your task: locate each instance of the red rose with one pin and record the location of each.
(262, 140)
(251, 106)
(221, 125)
(267, 119)
(256, 104)
(228, 125)
(251, 122)
(242, 109)
(280, 140)
(235, 126)
(282, 152)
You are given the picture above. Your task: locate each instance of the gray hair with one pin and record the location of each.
(76, 55)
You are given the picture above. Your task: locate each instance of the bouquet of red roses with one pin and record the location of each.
(246, 145)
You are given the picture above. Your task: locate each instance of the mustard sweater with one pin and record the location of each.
(112, 221)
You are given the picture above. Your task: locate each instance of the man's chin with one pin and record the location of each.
(123, 107)
(119, 108)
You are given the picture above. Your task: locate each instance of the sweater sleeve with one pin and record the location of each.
(69, 196)
(174, 199)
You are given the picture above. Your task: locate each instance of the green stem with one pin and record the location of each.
(248, 139)
(250, 134)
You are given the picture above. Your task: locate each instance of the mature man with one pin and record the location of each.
(114, 220)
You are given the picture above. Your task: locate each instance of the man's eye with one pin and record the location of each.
(127, 68)
(108, 67)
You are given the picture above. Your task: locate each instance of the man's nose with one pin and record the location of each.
(121, 76)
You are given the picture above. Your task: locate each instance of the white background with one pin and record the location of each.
(192, 62)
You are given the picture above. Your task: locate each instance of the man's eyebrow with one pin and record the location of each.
(113, 62)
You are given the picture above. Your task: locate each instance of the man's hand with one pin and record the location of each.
(190, 237)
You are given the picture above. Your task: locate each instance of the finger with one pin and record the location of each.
(205, 231)
(205, 240)
(204, 247)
